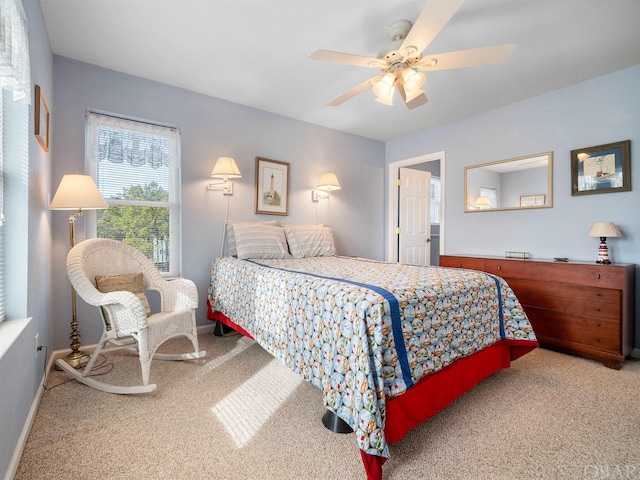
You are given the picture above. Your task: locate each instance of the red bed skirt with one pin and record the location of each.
(433, 392)
(221, 318)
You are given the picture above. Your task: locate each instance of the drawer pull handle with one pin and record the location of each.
(499, 268)
(598, 276)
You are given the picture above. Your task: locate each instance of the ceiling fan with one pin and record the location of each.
(402, 61)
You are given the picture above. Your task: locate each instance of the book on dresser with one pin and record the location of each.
(580, 308)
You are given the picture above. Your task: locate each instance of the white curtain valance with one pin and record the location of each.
(119, 140)
(15, 69)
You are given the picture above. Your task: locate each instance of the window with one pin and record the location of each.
(491, 194)
(15, 76)
(2, 263)
(434, 203)
(136, 166)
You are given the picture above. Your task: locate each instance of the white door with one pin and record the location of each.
(414, 239)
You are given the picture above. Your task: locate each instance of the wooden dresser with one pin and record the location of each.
(581, 308)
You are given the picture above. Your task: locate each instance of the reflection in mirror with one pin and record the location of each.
(517, 183)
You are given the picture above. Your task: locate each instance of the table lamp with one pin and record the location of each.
(603, 230)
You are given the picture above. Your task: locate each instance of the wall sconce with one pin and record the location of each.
(225, 168)
(328, 182)
(604, 230)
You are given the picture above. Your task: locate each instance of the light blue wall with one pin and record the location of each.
(600, 111)
(596, 112)
(21, 371)
(531, 181)
(211, 128)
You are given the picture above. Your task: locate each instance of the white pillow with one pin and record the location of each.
(260, 241)
(231, 239)
(310, 240)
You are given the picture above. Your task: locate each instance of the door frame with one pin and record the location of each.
(392, 205)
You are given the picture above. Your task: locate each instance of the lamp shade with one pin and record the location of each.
(604, 229)
(77, 192)
(328, 182)
(225, 168)
(483, 202)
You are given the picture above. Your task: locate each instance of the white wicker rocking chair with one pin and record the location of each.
(123, 312)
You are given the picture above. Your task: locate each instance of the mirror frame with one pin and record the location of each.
(548, 204)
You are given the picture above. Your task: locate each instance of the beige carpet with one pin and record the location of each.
(239, 414)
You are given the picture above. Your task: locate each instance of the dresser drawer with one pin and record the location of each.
(571, 306)
(470, 263)
(538, 287)
(595, 333)
(574, 274)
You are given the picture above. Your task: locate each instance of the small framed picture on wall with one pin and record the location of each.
(272, 187)
(601, 169)
(42, 119)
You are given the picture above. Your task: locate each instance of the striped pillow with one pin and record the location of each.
(310, 240)
(231, 238)
(260, 241)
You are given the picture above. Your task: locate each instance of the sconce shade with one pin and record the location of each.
(483, 202)
(77, 192)
(604, 229)
(225, 168)
(328, 182)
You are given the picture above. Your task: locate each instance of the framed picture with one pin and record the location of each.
(532, 200)
(272, 187)
(42, 120)
(601, 169)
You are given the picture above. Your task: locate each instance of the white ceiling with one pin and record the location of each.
(255, 52)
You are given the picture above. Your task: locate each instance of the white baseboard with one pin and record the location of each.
(206, 328)
(24, 435)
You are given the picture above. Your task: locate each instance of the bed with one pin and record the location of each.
(388, 344)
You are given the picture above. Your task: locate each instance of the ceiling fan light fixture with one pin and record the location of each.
(384, 86)
(386, 100)
(401, 61)
(412, 94)
(412, 79)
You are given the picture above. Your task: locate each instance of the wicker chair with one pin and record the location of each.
(126, 323)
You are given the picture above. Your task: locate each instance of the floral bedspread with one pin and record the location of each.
(362, 330)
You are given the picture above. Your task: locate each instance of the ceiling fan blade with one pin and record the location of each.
(415, 102)
(353, 92)
(347, 58)
(431, 20)
(468, 58)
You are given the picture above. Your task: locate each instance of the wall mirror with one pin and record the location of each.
(513, 184)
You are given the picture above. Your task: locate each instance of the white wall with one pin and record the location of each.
(596, 112)
(211, 128)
